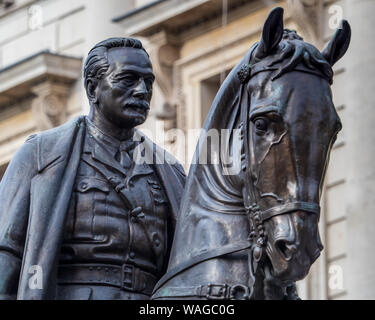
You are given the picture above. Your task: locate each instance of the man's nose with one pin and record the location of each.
(140, 91)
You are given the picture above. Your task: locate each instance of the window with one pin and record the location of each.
(209, 89)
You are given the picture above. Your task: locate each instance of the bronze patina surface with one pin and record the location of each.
(77, 209)
(251, 235)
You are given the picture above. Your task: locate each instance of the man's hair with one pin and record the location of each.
(96, 64)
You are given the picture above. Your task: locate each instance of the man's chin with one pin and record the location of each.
(131, 122)
(139, 121)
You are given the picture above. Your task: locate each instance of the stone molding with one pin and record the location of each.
(46, 79)
(164, 53)
(7, 7)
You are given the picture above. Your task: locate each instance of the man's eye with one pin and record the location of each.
(129, 79)
(261, 124)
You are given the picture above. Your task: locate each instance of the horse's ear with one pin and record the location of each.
(339, 43)
(272, 33)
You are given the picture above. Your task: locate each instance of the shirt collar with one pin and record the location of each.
(111, 143)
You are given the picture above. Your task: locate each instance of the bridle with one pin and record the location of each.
(256, 216)
(256, 242)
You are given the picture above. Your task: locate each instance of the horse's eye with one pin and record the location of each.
(261, 125)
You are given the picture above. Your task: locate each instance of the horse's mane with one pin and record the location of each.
(292, 51)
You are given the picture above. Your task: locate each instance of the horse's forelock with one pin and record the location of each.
(292, 51)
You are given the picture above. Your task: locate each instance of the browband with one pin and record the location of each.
(248, 71)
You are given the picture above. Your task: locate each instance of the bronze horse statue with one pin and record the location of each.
(251, 235)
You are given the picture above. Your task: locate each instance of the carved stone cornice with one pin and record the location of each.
(177, 16)
(46, 79)
(308, 16)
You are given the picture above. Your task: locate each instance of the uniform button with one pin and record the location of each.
(136, 211)
(84, 185)
(132, 255)
(155, 239)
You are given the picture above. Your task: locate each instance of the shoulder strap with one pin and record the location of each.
(114, 180)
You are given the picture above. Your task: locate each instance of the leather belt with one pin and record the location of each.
(210, 292)
(127, 277)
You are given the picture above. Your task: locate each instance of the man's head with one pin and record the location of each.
(118, 81)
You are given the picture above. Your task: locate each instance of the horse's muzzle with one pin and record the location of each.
(293, 242)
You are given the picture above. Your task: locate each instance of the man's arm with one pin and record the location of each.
(14, 213)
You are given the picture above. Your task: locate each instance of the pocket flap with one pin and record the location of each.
(84, 184)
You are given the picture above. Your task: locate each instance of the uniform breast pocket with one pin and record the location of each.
(90, 209)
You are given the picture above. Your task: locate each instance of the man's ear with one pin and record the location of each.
(91, 89)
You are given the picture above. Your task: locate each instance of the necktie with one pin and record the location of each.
(125, 156)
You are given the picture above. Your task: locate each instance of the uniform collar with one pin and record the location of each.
(110, 143)
(104, 148)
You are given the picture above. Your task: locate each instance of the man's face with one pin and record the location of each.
(125, 92)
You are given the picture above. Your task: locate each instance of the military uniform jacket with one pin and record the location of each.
(35, 194)
(102, 227)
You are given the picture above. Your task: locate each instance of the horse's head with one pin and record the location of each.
(292, 129)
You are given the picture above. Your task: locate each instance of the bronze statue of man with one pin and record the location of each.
(81, 216)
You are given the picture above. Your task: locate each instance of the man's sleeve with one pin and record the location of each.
(14, 213)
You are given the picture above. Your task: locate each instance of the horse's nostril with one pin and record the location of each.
(286, 249)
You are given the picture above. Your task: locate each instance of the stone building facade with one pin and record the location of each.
(193, 44)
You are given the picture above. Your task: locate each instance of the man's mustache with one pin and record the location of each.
(137, 104)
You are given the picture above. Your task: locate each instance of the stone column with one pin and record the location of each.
(359, 275)
(163, 53)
